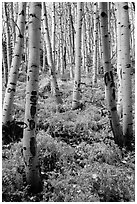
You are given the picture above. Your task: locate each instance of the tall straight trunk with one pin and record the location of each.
(119, 67)
(44, 68)
(132, 32)
(108, 77)
(126, 74)
(29, 138)
(53, 31)
(8, 36)
(77, 78)
(71, 57)
(49, 57)
(4, 60)
(85, 49)
(61, 44)
(13, 24)
(94, 79)
(58, 55)
(13, 75)
(71, 13)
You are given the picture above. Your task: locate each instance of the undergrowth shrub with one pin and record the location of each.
(12, 171)
(78, 157)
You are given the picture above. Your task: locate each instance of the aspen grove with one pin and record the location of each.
(68, 101)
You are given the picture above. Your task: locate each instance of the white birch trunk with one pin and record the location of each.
(53, 31)
(119, 67)
(94, 78)
(29, 138)
(54, 84)
(77, 78)
(126, 74)
(13, 75)
(8, 37)
(108, 77)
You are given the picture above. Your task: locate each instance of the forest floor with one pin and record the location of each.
(79, 160)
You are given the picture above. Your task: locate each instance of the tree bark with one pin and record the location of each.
(77, 78)
(126, 74)
(4, 60)
(94, 79)
(8, 37)
(54, 84)
(119, 67)
(30, 157)
(108, 77)
(13, 75)
(53, 32)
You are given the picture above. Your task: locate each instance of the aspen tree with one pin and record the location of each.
(89, 28)
(71, 14)
(84, 45)
(8, 35)
(61, 40)
(53, 31)
(132, 50)
(30, 157)
(119, 67)
(126, 74)
(108, 77)
(26, 36)
(16, 61)
(77, 78)
(44, 56)
(13, 23)
(94, 78)
(98, 49)
(49, 57)
(71, 57)
(4, 62)
(58, 54)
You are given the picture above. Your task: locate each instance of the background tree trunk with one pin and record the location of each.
(94, 79)
(77, 78)
(54, 84)
(53, 32)
(8, 35)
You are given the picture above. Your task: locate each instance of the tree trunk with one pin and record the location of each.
(70, 40)
(119, 68)
(61, 45)
(13, 24)
(77, 78)
(54, 84)
(13, 75)
(84, 47)
(94, 79)
(108, 77)
(4, 60)
(53, 31)
(30, 157)
(8, 37)
(126, 74)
